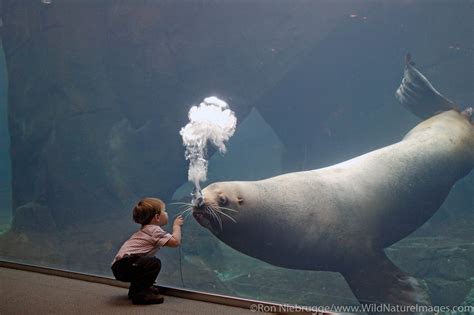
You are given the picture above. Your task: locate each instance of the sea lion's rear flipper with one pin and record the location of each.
(418, 95)
(379, 283)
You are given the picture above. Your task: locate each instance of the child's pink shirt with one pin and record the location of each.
(146, 241)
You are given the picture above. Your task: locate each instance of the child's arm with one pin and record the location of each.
(175, 240)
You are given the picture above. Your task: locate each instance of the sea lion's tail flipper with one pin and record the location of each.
(379, 283)
(418, 95)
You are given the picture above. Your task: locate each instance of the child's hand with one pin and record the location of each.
(178, 221)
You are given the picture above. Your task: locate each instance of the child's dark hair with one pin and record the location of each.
(146, 209)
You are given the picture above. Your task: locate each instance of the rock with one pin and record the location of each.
(446, 264)
(448, 292)
(33, 217)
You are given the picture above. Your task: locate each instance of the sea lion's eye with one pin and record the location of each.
(222, 200)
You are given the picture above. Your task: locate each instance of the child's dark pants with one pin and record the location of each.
(140, 271)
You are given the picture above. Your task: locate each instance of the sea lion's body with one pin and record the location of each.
(321, 219)
(340, 218)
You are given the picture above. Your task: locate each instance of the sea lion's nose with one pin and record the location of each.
(467, 113)
(198, 199)
(198, 202)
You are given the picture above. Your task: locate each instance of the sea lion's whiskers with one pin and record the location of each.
(228, 216)
(217, 216)
(183, 205)
(180, 203)
(186, 212)
(233, 210)
(185, 208)
(214, 215)
(218, 210)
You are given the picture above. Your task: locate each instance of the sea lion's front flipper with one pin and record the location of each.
(418, 95)
(379, 283)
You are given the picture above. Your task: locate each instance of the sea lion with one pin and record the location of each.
(340, 218)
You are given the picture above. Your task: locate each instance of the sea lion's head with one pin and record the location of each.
(220, 206)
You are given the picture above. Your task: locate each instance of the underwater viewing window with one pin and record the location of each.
(340, 167)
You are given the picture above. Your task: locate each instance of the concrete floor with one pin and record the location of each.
(24, 292)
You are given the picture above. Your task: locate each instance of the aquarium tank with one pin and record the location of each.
(95, 97)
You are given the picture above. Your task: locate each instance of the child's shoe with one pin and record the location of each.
(156, 289)
(147, 297)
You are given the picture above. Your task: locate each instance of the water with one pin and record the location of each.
(95, 110)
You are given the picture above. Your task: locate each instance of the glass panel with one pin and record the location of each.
(98, 92)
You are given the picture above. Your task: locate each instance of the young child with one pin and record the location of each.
(135, 262)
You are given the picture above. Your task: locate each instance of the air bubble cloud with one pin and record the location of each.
(210, 122)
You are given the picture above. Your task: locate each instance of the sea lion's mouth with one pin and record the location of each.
(205, 219)
(202, 217)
